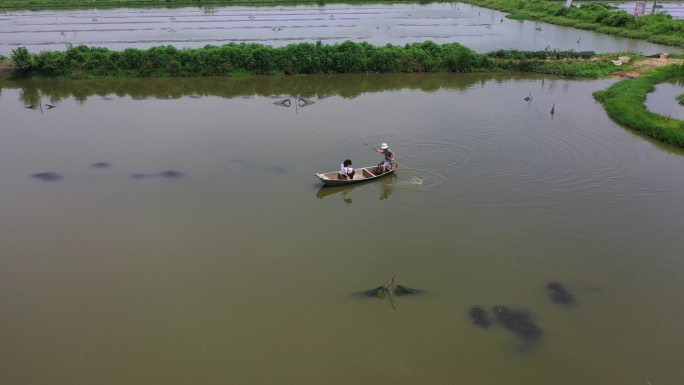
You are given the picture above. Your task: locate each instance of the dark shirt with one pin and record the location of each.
(388, 154)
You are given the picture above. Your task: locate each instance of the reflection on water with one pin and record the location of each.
(241, 270)
(385, 185)
(306, 90)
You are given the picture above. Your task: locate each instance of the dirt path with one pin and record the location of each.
(646, 65)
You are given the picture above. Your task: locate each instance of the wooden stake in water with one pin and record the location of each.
(389, 289)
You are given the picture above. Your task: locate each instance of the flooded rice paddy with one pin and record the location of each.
(479, 28)
(546, 248)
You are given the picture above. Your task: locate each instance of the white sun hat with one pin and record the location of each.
(384, 146)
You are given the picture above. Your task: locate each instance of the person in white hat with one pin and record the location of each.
(388, 162)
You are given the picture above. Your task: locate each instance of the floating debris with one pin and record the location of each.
(378, 292)
(101, 165)
(48, 176)
(553, 109)
(518, 321)
(559, 294)
(528, 98)
(283, 103)
(302, 102)
(30, 107)
(402, 290)
(389, 288)
(480, 316)
(49, 106)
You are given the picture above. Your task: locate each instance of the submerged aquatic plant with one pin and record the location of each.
(559, 294)
(48, 176)
(480, 316)
(518, 321)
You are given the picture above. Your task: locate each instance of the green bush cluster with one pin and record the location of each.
(304, 58)
(659, 28)
(624, 103)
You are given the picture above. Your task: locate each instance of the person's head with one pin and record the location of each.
(347, 163)
(384, 146)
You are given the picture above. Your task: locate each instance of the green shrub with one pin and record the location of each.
(24, 61)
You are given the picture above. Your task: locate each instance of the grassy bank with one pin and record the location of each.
(624, 102)
(303, 58)
(661, 28)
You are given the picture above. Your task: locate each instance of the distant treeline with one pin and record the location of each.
(659, 28)
(303, 58)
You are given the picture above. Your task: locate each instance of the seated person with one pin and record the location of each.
(346, 170)
(388, 161)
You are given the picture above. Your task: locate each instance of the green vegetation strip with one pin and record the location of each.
(660, 28)
(624, 102)
(304, 58)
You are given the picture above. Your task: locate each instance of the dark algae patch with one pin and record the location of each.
(170, 174)
(48, 176)
(480, 317)
(559, 294)
(519, 322)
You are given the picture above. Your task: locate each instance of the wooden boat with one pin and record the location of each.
(362, 175)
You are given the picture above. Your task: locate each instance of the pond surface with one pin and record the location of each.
(242, 268)
(478, 28)
(663, 100)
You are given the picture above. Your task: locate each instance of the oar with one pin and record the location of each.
(398, 164)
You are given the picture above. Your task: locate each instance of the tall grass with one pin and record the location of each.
(624, 103)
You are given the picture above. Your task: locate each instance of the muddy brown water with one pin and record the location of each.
(243, 269)
(478, 28)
